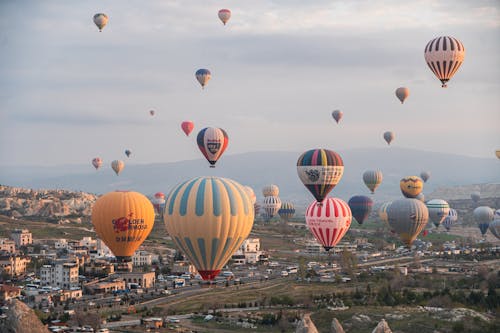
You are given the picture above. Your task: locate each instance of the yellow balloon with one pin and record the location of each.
(123, 220)
(411, 186)
(209, 218)
(497, 152)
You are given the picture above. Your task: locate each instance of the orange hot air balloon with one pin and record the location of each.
(123, 220)
(187, 127)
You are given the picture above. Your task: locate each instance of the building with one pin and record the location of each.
(99, 268)
(9, 292)
(314, 248)
(142, 258)
(60, 274)
(107, 286)
(21, 237)
(7, 245)
(14, 265)
(145, 280)
(88, 242)
(181, 267)
(61, 244)
(249, 252)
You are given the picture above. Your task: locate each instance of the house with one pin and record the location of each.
(8, 292)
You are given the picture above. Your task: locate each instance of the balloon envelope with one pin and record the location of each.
(320, 170)
(208, 218)
(203, 76)
(475, 196)
(411, 186)
(117, 166)
(389, 137)
(483, 216)
(187, 127)
(128, 152)
(372, 179)
(497, 153)
(382, 212)
(495, 225)
(271, 205)
(123, 220)
(407, 217)
(97, 162)
(361, 206)
(270, 190)
(444, 56)
(328, 222)
(450, 219)
(337, 115)
(402, 93)
(212, 143)
(425, 175)
(100, 20)
(251, 194)
(224, 15)
(438, 210)
(286, 211)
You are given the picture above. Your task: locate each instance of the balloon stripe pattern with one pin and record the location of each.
(444, 56)
(123, 220)
(450, 219)
(271, 205)
(407, 217)
(495, 225)
(203, 76)
(372, 179)
(208, 219)
(212, 143)
(361, 206)
(438, 210)
(270, 191)
(329, 222)
(287, 211)
(320, 170)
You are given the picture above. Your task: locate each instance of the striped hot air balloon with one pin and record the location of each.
(212, 143)
(329, 222)
(320, 170)
(271, 205)
(372, 179)
(444, 56)
(450, 219)
(361, 206)
(203, 76)
(438, 210)
(382, 211)
(159, 202)
(251, 194)
(495, 225)
(123, 220)
(224, 15)
(407, 217)
(208, 218)
(286, 211)
(483, 215)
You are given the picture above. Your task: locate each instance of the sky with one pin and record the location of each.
(69, 93)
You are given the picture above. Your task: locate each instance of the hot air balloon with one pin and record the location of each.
(425, 175)
(402, 93)
(411, 186)
(97, 162)
(320, 170)
(497, 153)
(483, 215)
(372, 179)
(256, 208)
(407, 217)
(270, 191)
(100, 20)
(117, 166)
(361, 206)
(420, 197)
(208, 218)
(152, 112)
(187, 127)
(328, 222)
(450, 219)
(159, 202)
(128, 152)
(382, 211)
(388, 137)
(123, 220)
(203, 75)
(438, 210)
(286, 211)
(495, 225)
(212, 143)
(271, 205)
(444, 55)
(224, 15)
(337, 115)
(475, 196)
(251, 194)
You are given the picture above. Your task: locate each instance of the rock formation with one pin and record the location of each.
(21, 319)
(336, 327)
(382, 327)
(306, 325)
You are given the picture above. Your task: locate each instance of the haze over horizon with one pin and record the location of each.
(69, 93)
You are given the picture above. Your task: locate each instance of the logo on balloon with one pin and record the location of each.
(121, 224)
(213, 146)
(313, 175)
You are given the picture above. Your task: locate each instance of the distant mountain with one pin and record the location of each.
(260, 168)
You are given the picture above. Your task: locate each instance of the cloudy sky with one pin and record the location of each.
(279, 68)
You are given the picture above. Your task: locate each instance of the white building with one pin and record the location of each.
(61, 244)
(102, 249)
(60, 274)
(314, 248)
(88, 242)
(249, 252)
(22, 237)
(142, 258)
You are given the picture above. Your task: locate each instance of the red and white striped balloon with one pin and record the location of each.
(329, 221)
